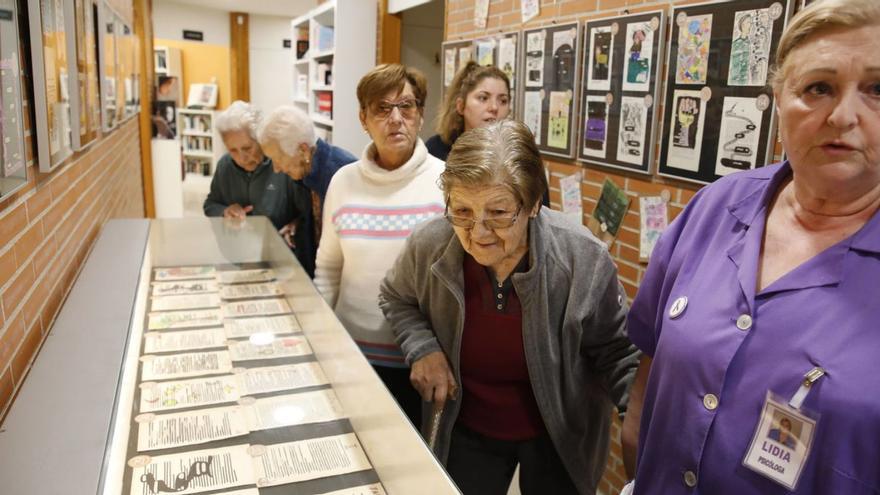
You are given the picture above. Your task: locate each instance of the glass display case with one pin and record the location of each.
(232, 376)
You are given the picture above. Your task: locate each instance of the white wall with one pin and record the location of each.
(271, 72)
(170, 19)
(421, 36)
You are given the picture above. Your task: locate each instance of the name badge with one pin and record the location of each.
(782, 441)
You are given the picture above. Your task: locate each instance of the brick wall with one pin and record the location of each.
(47, 230)
(504, 16)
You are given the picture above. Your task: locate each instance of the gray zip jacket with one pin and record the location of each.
(579, 359)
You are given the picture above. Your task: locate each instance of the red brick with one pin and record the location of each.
(44, 255)
(25, 353)
(38, 202)
(9, 341)
(7, 266)
(14, 294)
(28, 242)
(577, 8)
(12, 223)
(31, 309)
(6, 389)
(645, 188)
(50, 310)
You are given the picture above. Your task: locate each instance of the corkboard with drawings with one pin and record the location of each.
(719, 113)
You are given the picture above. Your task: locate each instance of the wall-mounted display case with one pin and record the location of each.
(210, 364)
(89, 106)
(107, 56)
(13, 173)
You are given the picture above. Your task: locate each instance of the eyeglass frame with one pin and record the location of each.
(379, 117)
(473, 221)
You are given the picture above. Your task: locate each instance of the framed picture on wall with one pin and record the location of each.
(454, 55)
(719, 113)
(88, 94)
(202, 96)
(56, 109)
(13, 174)
(107, 58)
(549, 85)
(620, 85)
(501, 51)
(123, 66)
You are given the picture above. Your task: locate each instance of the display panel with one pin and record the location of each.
(501, 51)
(719, 113)
(618, 109)
(238, 378)
(549, 86)
(87, 72)
(53, 48)
(107, 52)
(13, 174)
(125, 41)
(455, 55)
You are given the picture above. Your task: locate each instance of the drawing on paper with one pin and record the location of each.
(485, 55)
(686, 130)
(631, 136)
(532, 113)
(750, 48)
(507, 58)
(535, 59)
(739, 136)
(448, 66)
(563, 59)
(595, 126)
(640, 52)
(653, 221)
(692, 62)
(600, 58)
(529, 8)
(557, 132)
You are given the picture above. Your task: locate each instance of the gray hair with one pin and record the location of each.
(239, 116)
(503, 153)
(288, 127)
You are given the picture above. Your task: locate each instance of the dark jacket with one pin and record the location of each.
(579, 359)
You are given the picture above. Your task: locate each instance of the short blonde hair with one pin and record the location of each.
(503, 153)
(819, 16)
(288, 127)
(390, 77)
(450, 123)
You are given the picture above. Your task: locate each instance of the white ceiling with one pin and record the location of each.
(284, 8)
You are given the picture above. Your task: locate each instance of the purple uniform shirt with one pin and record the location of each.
(736, 344)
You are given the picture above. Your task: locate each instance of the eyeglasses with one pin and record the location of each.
(408, 109)
(494, 223)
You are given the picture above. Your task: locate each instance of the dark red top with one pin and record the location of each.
(497, 399)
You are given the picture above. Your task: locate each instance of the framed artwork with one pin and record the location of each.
(549, 86)
(127, 73)
(108, 67)
(202, 96)
(621, 74)
(501, 51)
(13, 157)
(454, 55)
(719, 113)
(88, 94)
(53, 51)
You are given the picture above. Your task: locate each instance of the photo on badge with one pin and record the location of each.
(781, 442)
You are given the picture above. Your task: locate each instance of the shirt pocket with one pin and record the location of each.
(843, 482)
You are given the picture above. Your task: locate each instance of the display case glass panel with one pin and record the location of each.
(109, 67)
(87, 70)
(13, 174)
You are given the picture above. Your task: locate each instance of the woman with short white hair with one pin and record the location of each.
(288, 137)
(244, 182)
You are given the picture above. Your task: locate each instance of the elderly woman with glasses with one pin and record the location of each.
(370, 209)
(520, 310)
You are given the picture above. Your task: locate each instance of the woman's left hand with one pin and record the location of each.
(433, 379)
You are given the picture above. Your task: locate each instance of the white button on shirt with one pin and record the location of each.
(710, 402)
(690, 479)
(744, 322)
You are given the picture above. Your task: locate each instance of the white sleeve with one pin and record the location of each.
(329, 260)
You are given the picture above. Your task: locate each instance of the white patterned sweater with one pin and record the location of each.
(368, 214)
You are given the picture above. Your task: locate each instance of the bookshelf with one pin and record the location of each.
(201, 143)
(327, 67)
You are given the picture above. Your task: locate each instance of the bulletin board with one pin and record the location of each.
(501, 51)
(53, 47)
(13, 174)
(620, 79)
(455, 54)
(719, 113)
(89, 107)
(549, 86)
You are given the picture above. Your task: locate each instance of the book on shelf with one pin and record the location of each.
(325, 103)
(324, 74)
(324, 38)
(302, 49)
